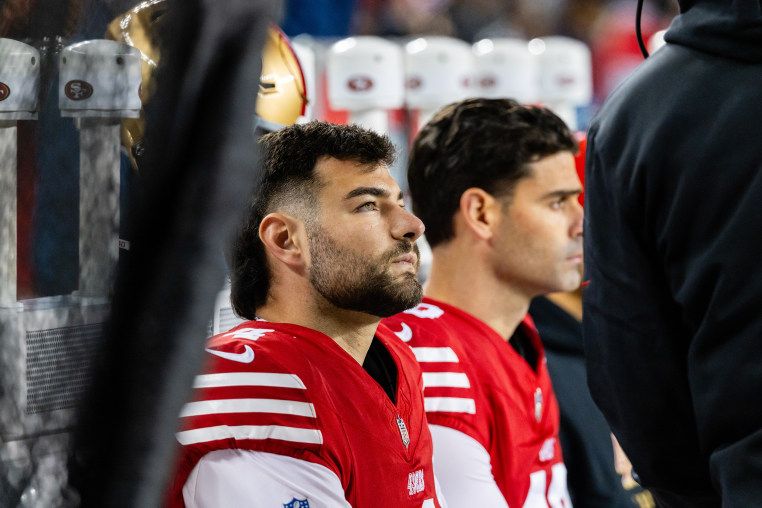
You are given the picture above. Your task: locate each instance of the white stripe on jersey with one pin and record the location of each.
(449, 379)
(288, 407)
(435, 354)
(297, 435)
(449, 405)
(248, 379)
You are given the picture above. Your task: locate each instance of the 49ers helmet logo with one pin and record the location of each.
(360, 83)
(414, 82)
(488, 81)
(78, 90)
(5, 92)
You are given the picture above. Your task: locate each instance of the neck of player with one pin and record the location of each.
(457, 278)
(353, 331)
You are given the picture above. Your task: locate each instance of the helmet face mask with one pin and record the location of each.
(282, 94)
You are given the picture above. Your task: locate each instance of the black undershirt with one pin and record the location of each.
(381, 367)
(524, 347)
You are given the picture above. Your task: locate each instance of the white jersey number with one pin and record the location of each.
(558, 495)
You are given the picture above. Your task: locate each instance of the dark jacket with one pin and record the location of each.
(673, 246)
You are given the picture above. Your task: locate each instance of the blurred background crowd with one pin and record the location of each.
(47, 168)
(606, 26)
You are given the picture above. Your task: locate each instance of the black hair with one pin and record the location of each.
(484, 143)
(288, 180)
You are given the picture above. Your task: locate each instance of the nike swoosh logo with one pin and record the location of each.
(405, 334)
(246, 357)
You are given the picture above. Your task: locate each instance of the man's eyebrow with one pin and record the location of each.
(563, 193)
(371, 191)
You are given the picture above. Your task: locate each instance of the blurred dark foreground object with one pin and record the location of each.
(200, 167)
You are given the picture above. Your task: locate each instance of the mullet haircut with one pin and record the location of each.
(288, 180)
(484, 143)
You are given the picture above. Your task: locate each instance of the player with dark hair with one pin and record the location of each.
(313, 403)
(291, 180)
(497, 184)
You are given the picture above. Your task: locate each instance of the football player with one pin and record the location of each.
(311, 403)
(495, 183)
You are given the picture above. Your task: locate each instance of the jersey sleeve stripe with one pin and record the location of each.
(445, 379)
(248, 379)
(241, 432)
(449, 405)
(288, 407)
(435, 354)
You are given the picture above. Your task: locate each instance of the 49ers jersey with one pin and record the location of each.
(476, 383)
(292, 391)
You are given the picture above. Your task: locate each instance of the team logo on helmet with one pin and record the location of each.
(297, 503)
(78, 90)
(5, 92)
(414, 82)
(488, 81)
(360, 83)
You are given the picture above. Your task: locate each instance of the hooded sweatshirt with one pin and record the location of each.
(673, 245)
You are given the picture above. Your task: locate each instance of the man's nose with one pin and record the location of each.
(408, 226)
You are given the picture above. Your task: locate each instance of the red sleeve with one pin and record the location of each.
(247, 399)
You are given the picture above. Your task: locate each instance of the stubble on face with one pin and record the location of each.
(348, 280)
(536, 244)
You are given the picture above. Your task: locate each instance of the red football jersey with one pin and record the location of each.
(289, 390)
(475, 382)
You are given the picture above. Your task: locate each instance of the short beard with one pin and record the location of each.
(354, 282)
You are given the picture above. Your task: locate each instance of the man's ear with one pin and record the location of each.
(480, 212)
(285, 238)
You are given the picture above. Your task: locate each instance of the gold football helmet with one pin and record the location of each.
(282, 95)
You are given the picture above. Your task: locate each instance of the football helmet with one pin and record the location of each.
(282, 94)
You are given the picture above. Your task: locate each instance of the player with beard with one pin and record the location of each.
(311, 403)
(496, 185)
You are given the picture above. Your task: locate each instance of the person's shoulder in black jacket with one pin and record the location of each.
(673, 311)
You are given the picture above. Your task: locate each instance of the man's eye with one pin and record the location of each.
(367, 207)
(558, 203)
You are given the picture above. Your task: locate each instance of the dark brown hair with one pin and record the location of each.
(484, 143)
